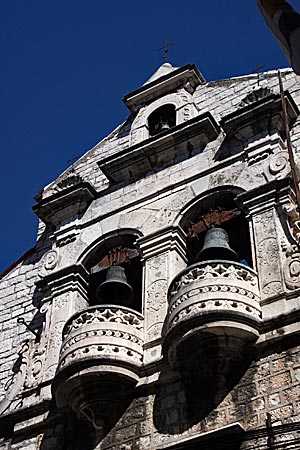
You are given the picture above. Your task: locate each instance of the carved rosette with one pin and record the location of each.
(212, 301)
(100, 359)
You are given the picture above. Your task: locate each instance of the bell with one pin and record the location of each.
(164, 126)
(115, 289)
(216, 246)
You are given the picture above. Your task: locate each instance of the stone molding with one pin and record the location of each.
(187, 76)
(170, 238)
(72, 198)
(72, 278)
(161, 150)
(263, 197)
(260, 116)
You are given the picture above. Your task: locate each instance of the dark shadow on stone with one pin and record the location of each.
(200, 386)
(229, 147)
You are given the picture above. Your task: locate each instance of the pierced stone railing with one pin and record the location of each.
(214, 286)
(105, 332)
(219, 298)
(100, 361)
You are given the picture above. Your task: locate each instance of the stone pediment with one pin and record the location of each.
(160, 151)
(187, 76)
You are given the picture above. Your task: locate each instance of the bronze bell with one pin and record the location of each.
(164, 126)
(115, 290)
(216, 246)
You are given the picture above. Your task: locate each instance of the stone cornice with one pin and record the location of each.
(70, 200)
(264, 114)
(68, 279)
(171, 238)
(161, 150)
(264, 196)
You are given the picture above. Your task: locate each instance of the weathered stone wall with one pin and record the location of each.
(160, 414)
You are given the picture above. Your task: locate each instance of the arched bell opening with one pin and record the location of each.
(162, 119)
(220, 211)
(116, 273)
(102, 346)
(214, 312)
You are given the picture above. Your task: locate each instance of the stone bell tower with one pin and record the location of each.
(159, 308)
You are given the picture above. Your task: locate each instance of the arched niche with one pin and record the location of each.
(162, 119)
(181, 101)
(217, 208)
(115, 248)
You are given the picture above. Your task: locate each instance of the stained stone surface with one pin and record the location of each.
(166, 405)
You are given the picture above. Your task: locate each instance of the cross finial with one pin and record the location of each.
(72, 161)
(165, 48)
(258, 69)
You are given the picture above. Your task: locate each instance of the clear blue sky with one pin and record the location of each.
(66, 64)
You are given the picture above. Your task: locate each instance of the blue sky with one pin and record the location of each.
(65, 66)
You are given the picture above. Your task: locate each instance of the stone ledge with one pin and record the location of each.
(160, 151)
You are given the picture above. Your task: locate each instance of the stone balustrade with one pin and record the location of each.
(103, 332)
(220, 298)
(100, 360)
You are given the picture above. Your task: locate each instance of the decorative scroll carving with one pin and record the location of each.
(110, 313)
(156, 306)
(267, 251)
(294, 220)
(33, 355)
(49, 261)
(254, 96)
(291, 267)
(278, 163)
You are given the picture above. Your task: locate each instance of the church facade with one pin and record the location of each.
(160, 306)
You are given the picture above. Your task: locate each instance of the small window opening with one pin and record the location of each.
(162, 119)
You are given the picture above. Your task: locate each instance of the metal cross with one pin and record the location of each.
(165, 48)
(260, 76)
(72, 161)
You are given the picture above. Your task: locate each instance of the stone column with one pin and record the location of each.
(267, 232)
(64, 293)
(164, 256)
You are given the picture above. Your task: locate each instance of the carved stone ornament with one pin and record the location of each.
(67, 182)
(49, 262)
(33, 356)
(279, 164)
(254, 96)
(291, 267)
(100, 360)
(294, 220)
(213, 305)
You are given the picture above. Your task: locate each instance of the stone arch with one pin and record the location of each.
(114, 248)
(216, 207)
(181, 101)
